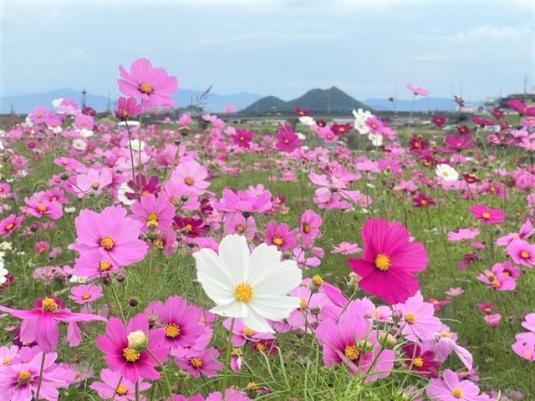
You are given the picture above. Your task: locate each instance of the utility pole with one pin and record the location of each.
(525, 85)
(84, 92)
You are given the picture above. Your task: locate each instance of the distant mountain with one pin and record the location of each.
(420, 104)
(315, 100)
(22, 104)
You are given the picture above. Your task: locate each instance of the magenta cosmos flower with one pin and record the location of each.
(19, 382)
(114, 386)
(134, 351)
(453, 389)
(181, 322)
(242, 138)
(287, 140)
(198, 362)
(280, 235)
(109, 233)
(156, 213)
(151, 85)
(40, 324)
(486, 214)
(389, 261)
(9, 224)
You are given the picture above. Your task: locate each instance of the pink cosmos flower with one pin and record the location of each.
(241, 333)
(181, 322)
(454, 292)
(151, 85)
(154, 213)
(305, 317)
(109, 233)
(127, 108)
(230, 395)
(19, 382)
(287, 139)
(463, 234)
(418, 320)
(450, 388)
(486, 214)
(37, 206)
(375, 125)
(40, 324)
(309, 223)
(420, 361)
(280, 235)
(416, 90)
(352, 341)
(134, 350)
(346, 248)
(248, 201)
(85, 293)
(493, 320)
(9, 224)
(113, 385)
(198, 362)
(529, 322)
(522, 252)
(502, 277)
(389, 261)
(524, 347)
(235, 223)
(93, 181)
(95, 266)
(191, 175)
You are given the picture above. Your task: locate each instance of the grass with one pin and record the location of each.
(298, 371)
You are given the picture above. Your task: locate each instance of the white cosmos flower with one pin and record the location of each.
(121, 194)
(360, 121)
(306, 120)
(86, 133)
(137, 145)
(377, 139)
(79, 144)
(252, 286)
(446, 172)
(3, 275)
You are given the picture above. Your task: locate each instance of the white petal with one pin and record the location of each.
(210, 264)
(278, 280)
(217, 292)
(263, 258)
(257, 322)
(235, 255)
(234, 309)
(275, 307)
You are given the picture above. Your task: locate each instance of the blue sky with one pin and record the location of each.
(369, 48)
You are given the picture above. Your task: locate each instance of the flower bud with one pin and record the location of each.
(137, 340)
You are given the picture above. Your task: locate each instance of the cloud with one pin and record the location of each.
(477, 33)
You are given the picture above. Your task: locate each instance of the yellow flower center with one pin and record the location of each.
(382, 262)
(49, 305)
(189, 181)
(302, 304)
(247, 331)
(457, 392)
(410, 317)
(485, 215)
(243, 292)
(86, 296)
(317, 280)
(107, 242)
(252, 386)
(524, 255)
(152, 220)
(121, 390)
(172, 330)
(240, 228)
(306, 228)
(261, 347)
(41, 208)
(145, 88)
(278, 241)
(188, 228)
(9, 226)
(131, 355)
(94, 185)
(6, 361)
(418, 362)
(24, 377)
(104, 265)
(196, 362)
(351, 352)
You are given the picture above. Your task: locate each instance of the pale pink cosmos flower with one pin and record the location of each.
(463, 234)
(526, 231)
(416, 90)
(155, 213)
(198, 361)
(346, 248)
(418, 320)
(151, 85)
(522, 252)
(92, 181)
(454, 291)
(450, 388)
(85, 293)
(191, 175)
(113, 385)
(493, 320)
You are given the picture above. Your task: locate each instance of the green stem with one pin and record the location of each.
(228, 355)
(164, 373)
(137, 391)
(40, 377)
(118, 302)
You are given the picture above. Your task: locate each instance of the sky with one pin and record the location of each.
(368, 48)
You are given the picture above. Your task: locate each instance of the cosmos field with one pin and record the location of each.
(196, 260)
